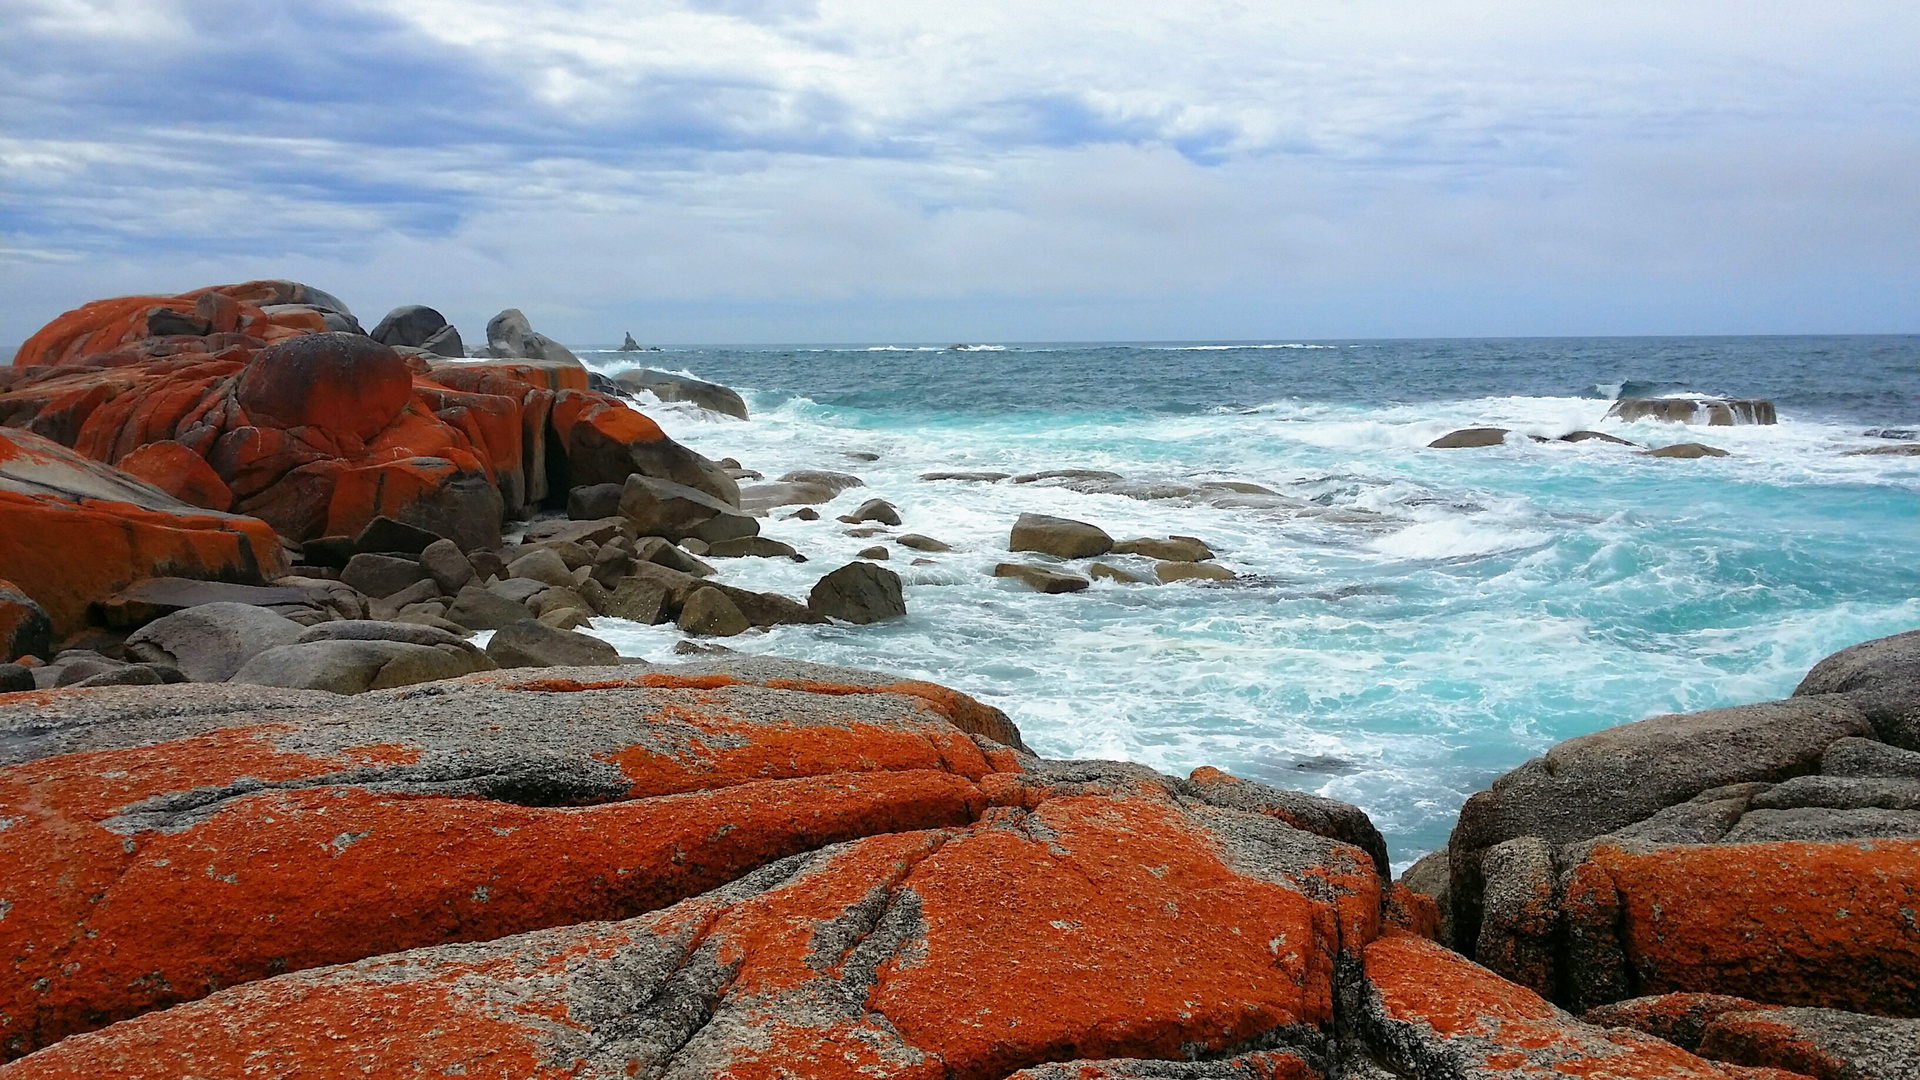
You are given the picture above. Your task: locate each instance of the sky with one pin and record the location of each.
(733, 171)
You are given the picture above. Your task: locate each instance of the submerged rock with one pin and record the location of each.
(1469, 438)
(1714, 412)
(1686, 450)
(1040, 579)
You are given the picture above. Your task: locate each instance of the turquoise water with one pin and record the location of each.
(1408, 622)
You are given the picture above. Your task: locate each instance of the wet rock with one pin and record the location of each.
(708, 612)
(835, 482)
(1099, 571)
(760, 498)
(1040, 579)
(382, 575)
(667, 387)
(877, 552)
(529, 643)
(921, 543)
(879, 510)
(1062, 537)
(971, 477)
(1171, 549)
(606, 442)
(211, 642)
(25, 629)
(1901, 450)
(759, 547)
(674, 511)
(656, 549)
(1585, 436)
(1169, 572)
(805, 513)
(1467, 438)
(859, 593)
(1714, 412)
(1686, 450)
(1067, 474)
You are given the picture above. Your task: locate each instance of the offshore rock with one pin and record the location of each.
(1467, 438)
(1062, 537)
(859, 593)
(668, 387)
(1713, 412)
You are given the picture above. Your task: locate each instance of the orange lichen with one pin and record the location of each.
(1794, 923)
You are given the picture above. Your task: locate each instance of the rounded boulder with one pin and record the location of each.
(342, 383)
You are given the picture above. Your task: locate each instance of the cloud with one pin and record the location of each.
(760, 169)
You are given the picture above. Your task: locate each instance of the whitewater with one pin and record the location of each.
(1406, 623)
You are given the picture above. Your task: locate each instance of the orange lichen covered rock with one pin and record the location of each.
(180, 473)
(1789, 923)
(1431, 1012)
(1117, 913)
(73, 532)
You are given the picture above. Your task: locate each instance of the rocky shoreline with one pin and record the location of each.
(266, 807)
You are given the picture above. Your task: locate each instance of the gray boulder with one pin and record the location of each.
(759, 547)
(541, 564)
(708, 612)
(921, 543)
(1171, 549)
(447, 566)
(1040, 579)
(15, 678)
(356, 666)
(211, 642)
(476, 608)
(667, 387)
(1882, 679)
(858, 592)
(511, 336)
(382, 575)
(594, 501)
(1687, 450)
(25, 629)
(1467, 438)
(675, 511)
(530, 643)
(416, 325)
(1714, 412)
(835, 482)
(1062, 537)
(760, 498)
(879, 510)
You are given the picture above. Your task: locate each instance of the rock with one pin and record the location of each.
(1431, 876)
(471, 850)
(333, 382)
(859, 593)
(1169, 572)
(476, 608)
(972, 477)
(1469, 437)
(565, 618)
(1881, 678)
(211, 642)
(1040, 579)
(655, 549)
(1827, 1043)
(1686, 450)
(1067, 474)
(385, 535)
(1584, 436)
(382, 575)
(520, 590)
(411, 633)
(879, 510)
(761, 498)
(1715, 412)
(701, 648)
(1113, 573)
(605, 530)
(355, 666)
(805, 513)
(708, 612)
(693, 545)
(1061, 537)
(15, 678)
(834, 482)
(133, 675)
(760, 547)
(921, 543)
(449, 569)
(640, 599)
(417, 325)
(1172, 549)
(541, 564)
(53, 502)
(629, 345)
(606, 442)
(674, 511)
(594, 502)
(528, 643)
(25, 629)
(1902, 450)
(510, 335)
(179, 472)
(667, 387)
(877, 552)
(557, 598)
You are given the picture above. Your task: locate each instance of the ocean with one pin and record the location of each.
(1407, 623)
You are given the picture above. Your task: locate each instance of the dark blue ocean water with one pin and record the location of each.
(1405, 623)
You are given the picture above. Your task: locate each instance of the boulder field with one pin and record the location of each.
(756, 867)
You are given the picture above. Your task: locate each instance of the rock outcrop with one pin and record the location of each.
(669, 387)
(1769, 852)
(1713, 412)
